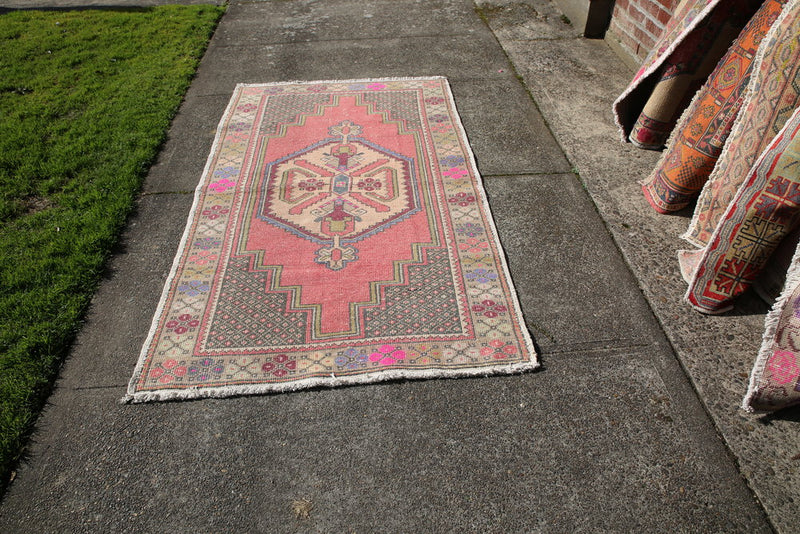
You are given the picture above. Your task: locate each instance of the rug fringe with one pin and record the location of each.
(330, 381)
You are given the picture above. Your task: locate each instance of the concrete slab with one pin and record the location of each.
(591, 444)
(587, 299)
(457, 57)
(717, 352)
(527, 19)
(505, 130)
(318, 20)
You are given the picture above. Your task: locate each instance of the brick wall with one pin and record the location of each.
(637, 24)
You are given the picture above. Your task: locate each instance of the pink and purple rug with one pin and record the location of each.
(340, 235)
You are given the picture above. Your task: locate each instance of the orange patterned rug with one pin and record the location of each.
(704, 127)
(340, 234)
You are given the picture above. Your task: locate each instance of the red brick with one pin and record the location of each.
(663, 16)
(624, 36)
(646, 40)
(618, 13)
(636, 15)
(653, 28)
(639, 23)
(655, 13)
(626, 41)
(621, 33)
(648, 7)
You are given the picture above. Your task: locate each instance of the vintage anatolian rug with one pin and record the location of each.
(701, 132)
(764, 211)
(694, 39)
(340, 234)
(772, 95)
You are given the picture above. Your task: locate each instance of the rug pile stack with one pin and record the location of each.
(735, 151)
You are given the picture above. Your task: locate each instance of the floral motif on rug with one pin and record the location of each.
(340, 234)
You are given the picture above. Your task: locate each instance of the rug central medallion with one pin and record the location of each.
(338, 220)
(339, 191)
(340, 234)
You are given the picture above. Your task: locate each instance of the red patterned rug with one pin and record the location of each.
(340, 235)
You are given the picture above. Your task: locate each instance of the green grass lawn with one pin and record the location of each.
(86, 98)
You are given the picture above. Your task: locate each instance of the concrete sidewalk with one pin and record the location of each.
(610, 436)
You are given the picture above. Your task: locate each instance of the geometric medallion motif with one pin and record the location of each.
(351, 188)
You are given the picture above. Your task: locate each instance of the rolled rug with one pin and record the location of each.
(765, 210)
(695, 38)
(701, 132)
(770, 99)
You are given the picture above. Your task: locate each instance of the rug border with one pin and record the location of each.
(132, 396)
